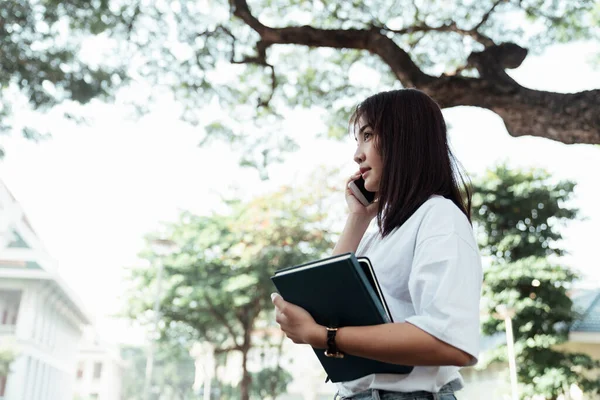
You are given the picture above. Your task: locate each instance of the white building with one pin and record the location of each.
(99, 370)
(40, 317)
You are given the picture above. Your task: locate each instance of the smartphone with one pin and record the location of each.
(358, 190)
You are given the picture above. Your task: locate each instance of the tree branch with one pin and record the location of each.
(223, 350)
(493, 61)
(372, 40)
(569, 118)
(416, 14)
(487, 15)
(222, 319)
(132, 20)
(565, 117)
(261, 59)
(450, 27)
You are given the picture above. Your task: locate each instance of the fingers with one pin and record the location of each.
(286, 315)
(278, 301)
(280, 306)
(353, 177)
(280, 318)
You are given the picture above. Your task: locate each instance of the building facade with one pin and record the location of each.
(99, 370)
(41, 320)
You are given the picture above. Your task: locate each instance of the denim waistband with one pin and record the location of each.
(379, 394)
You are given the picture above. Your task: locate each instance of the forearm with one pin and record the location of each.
(355, 228)
(397, 343)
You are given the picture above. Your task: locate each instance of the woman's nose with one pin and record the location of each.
(359, 155)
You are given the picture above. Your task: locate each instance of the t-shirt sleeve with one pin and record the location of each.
(445, 288)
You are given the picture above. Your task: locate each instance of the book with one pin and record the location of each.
(339, 291)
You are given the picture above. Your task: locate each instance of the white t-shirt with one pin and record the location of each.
(430, 273)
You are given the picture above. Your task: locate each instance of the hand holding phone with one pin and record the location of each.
(357, 187)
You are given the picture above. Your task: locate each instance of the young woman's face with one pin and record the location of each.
(367, 156)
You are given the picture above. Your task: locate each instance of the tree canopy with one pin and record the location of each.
(258, 58)
(40, 56)
(519, 214)
(457, 51)
(173, 376)
(217, 282)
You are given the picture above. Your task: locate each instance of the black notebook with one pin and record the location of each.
(339, 291)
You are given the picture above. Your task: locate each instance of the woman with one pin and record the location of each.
(424, 254)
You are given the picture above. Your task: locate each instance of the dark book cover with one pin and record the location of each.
(337, 293)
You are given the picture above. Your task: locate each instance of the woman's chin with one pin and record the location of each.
(371, 188)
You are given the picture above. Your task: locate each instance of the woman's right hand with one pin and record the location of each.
(356, 207)
(357, 222)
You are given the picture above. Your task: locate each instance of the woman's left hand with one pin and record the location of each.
(298, 324)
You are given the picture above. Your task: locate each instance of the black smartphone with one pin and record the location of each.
(358, 190)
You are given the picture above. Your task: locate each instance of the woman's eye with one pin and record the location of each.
(367, 135)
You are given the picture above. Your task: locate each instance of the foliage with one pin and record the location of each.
(217, 282)
(518, 215)
(204, 55)
(268, 383)
(173, 374)
(6, 358)
(41, 43)
(268, 78)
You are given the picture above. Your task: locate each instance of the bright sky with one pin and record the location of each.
(92, 192)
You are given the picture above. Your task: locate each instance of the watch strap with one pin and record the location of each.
(332, 349)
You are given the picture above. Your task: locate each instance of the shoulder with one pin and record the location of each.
(439, 216)
(442, 208)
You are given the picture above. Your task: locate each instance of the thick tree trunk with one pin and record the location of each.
(568, 118)
(245, 383)
(248, 324)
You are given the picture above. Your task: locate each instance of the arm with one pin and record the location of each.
(398, 343)
(354, 230)
(444, 313)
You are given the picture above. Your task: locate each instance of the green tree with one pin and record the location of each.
(268, 383)
(518, 214)
(173, 374)
(41, 43)
(217, 283)
(6, 358)
(272, 380)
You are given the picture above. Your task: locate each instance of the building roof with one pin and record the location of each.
(24, 257)
(587, 304)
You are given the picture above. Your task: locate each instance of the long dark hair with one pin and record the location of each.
(411, 136)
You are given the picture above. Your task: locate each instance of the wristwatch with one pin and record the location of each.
(332, 350)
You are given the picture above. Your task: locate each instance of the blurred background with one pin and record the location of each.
(161, 159)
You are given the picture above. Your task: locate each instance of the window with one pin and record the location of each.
(97, 370)
(80, 370)
(17, 241)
